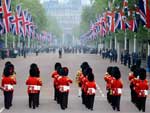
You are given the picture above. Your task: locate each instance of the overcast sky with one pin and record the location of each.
(83, 1)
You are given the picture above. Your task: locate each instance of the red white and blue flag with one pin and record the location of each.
(7, 14)
(1, 19)
(1, 10)
(142, 11)
(147, 13)
(17, 19)
(133, 25)
(24, 22)
(119, 23)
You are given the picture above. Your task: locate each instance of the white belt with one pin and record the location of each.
(119, 90)
(144, 91)
(91, 91)
(34, 87)
(64, 88)
(8, 87)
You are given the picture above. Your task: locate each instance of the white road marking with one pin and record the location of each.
(2, 109)
(100, 91)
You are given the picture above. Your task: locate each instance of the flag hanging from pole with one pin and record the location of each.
(142, 11)
(7, 14)
(147, 14)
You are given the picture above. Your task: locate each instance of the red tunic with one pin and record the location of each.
(55, 76)
(116, 87)
(90, 88)
(83, 83)
(108, 78)
(142, 88)
(7, 83)
(33, 84)
(63, 83)
(131, 76)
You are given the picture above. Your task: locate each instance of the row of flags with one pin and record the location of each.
(21, 23)
(120, 19)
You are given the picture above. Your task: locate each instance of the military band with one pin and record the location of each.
(85, 81)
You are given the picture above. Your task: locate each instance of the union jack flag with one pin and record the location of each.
(111, 21)
(24, 22)
(120, 20)
(30, 25)
(7, 14)
(2, 27)
(142, 10)
(0, 7)
(133, 25)
(1, 20)
(147, 14)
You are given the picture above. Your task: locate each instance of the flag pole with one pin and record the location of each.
(18, 41)
(134, 43)
(13, 42)
(115, 42)
(125, 41)
(6, 41)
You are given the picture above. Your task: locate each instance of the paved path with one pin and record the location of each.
(46, 64)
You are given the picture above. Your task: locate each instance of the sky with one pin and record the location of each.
(85, 2)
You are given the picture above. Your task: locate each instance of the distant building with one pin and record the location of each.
(67, 14)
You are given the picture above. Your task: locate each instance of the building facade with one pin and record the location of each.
(67, 13)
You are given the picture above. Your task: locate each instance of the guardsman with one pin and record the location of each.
(33, 87)
(83, 80)
(142, 90)
(7, 86)
(79, 76)
(55, 75)
(132, 78)
(90, 91)
(37, 71)
(116, 88)
(64, 88)
(108, 77)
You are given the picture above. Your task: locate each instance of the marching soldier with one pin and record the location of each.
(108, 78)
(7, 86)
(55, 75)
(64, 88)
(116, 88)
(33, 87)
(79, 76)
(37, 75)
(90, 90)
(142, 90)
(132, 78)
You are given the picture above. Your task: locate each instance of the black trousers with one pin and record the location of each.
(90, 101)
(141, 103)
(37, 99)
(109, 96)
(55, 93)
(133, 95)
(32, 100)
(116, 102)
(64, 100)
(83, 97)
(8, 96)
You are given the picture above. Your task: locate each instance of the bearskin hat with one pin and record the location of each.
(116, 73)
(57, 65)
(66, 71)
(7, 63)
(6, 71)
(109, 70)
(91, 77)
(84, 65)
(142, 74)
